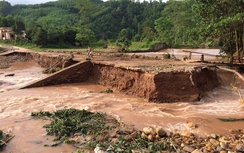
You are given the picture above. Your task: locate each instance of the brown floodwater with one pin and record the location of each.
(16, 106)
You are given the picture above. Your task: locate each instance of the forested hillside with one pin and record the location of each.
(191, 23)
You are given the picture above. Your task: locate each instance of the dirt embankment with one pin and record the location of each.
(53, 63)
(161, 87)
(15, 57)
(181, 83)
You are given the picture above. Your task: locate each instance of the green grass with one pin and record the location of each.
(138, 46)
(231, 119)
(61, 48)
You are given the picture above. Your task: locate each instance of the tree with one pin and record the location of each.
(223, 20)
(38, 35)
(69, 34)
(18, 27)
(148, 34)
(5, 8)
(87, 8)
(123, 42)
(85, 36)
(175, 22)
(164, 29)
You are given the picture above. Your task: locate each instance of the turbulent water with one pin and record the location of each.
(16, 106)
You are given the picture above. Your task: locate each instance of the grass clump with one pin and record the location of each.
(108, 90)
(231, 119)
(166, 56)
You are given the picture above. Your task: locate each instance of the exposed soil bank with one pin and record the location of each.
(188, 84)
(46, 61)
(160, 87)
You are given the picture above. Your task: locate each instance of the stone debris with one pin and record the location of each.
(190, 143)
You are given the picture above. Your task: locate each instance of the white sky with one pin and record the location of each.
(13, 2)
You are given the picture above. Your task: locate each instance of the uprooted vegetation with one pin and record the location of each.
(88, 130)
(4, 139)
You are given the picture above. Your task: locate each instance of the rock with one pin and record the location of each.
(240, 148)
(160, 132)
(192, 125)
(148, 130)
(208, 147)
(188, 149)
(213, 135)
(214, 142)
(223, 151)
(197, 151)
(113, 134)
(150, 137)
(143, 135)
(98, 150)
(224, 139)
(157, 137)
(219, 149)
(134, 135)
(223, 145)
(186, 133)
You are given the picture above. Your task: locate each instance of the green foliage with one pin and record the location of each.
(222, 21)
(136, 38)
(148, 34)
(95, 129)
(166, 56)
(4, 139)
(18, 27)
(38, 35)
(7, 21)
(101, 44)
(195, 23)
(67, 122)
(85, 36)
(5, 8)
(139, 46)
(123, 42)
(41, 114)
(231, 119)
(109, 90)
(80, 151)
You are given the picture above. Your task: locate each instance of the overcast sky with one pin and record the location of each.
(13, 2)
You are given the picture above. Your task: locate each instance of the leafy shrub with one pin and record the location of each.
(166, 56)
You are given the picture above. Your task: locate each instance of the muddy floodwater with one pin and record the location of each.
(16, 106)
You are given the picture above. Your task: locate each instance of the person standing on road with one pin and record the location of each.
(89, 50)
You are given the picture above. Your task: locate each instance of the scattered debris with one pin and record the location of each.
(102, 133)
(4, 139)
(238, 91)
(107, 91)
(8, 75)
(61, 62)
